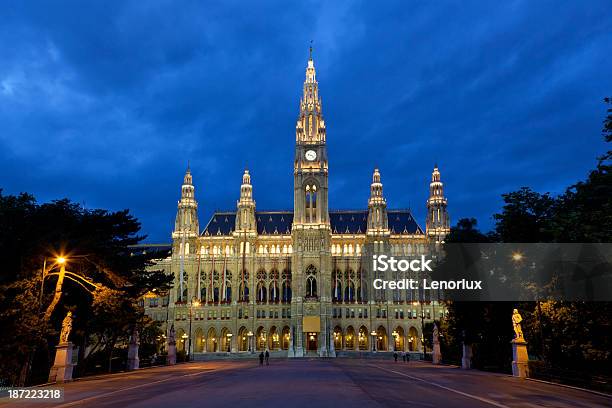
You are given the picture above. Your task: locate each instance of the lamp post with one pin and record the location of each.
(250, 336)
(373, 334)
(196, 303)
(229, 342)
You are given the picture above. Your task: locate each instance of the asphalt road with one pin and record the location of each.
(315, 383)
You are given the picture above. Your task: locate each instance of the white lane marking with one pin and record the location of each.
(73, 403)
(465, 394)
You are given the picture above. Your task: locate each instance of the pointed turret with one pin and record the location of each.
(187, 215)
(245, 216)
(378, 223)
(310, 127)
(438, 222)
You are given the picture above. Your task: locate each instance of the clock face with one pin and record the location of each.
(310, 155)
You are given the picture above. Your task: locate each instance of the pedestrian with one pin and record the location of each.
(407, 357)
(261, 357)
(395, 356)
(267, 358)
(404, 356)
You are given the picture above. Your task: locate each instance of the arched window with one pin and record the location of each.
(337, 286)
(274, 292)
(311, 203)
(261, 292)
(216, 291)
(203, 291)
(286, 286)
(349, 292)
(311, 281)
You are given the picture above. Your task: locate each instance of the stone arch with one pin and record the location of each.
(349, 340)
(286, 338)
(181, 340)
(260, 339)
(273, 339)
(225, 340)
(243, 339)
(199, 340)
(413, 339)
(211, 340)
(338, 338)
(398, 338)
(364, 337)
(381, 339)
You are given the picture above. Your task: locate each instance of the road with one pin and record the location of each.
(315, 383)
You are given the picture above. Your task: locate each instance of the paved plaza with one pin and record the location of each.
(316, 383)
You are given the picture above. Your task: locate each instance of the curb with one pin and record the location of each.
(603, 394)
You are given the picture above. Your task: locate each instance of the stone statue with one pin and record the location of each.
(516, 322)
(172, 335)
(135, 337)
(436, 334)
(66, 327)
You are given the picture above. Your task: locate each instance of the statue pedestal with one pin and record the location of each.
(436, 356)
(466, 360)
(62, 367)
(133, 360)
(171, 354)
(520, 358)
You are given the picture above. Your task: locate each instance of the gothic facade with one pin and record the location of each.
(293, 281)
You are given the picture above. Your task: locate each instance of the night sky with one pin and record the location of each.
(105, 104)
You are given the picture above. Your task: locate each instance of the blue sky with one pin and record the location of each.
(105, 102)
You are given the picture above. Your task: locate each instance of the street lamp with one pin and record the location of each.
(229, 342)
(373, 333)
(395, 335)
(194, 302)
(250, 336)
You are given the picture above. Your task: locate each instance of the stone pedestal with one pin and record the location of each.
(133, 360)
(62, 367)
(436, 356)
(171, 353)
(466, 360)
(520, 359)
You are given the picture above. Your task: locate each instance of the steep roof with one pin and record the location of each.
(342, 222)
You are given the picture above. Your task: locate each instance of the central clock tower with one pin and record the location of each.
(310, 167)
(311, 232)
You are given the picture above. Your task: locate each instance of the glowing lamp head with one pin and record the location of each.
(517, 256)
(61, 260)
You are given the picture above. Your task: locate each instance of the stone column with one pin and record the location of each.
(466, 360)
(520, 367)
(172, 347)
(133, 360)
(62, 367)
(437, 354)
(291, 352)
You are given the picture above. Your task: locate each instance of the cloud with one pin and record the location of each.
(106, 102)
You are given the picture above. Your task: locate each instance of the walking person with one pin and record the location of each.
(261, 358)
(395, 356)
(404, 356)
(267, 358)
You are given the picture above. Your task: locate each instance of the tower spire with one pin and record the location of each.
(310, 126)
(378, 222)
(245, 219)
(438, 221)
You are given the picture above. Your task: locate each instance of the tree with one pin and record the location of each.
(97, 246)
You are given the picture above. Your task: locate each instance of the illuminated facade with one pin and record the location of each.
(292, 281)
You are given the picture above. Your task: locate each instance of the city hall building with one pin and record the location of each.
(294, 282)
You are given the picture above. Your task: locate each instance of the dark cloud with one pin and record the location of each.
(105, 102)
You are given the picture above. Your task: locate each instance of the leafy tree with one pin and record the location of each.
(97, 246)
